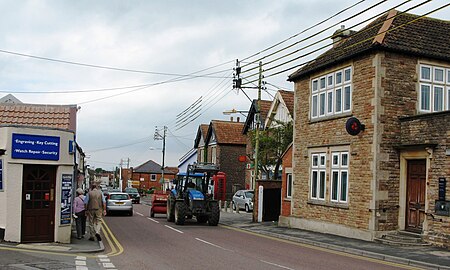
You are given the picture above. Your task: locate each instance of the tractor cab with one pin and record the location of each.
(190, 196)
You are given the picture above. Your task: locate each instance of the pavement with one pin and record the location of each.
(417, 256)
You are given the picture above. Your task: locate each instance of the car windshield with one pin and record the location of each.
(249, 194)
(131, 190)
(118, 197)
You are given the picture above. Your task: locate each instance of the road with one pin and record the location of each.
(141, 242)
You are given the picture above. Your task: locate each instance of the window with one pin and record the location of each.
(339, 177)
(152, 177)
(331, 94)
(289, 185)
(213, 155)
(318, 176)
(1, 174)
(433, 89)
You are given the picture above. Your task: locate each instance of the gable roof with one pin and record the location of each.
(201, 134)
(226, 132)
(150, 167)
(265, 107)
(38, 115)
(286, 99)
(394, 31)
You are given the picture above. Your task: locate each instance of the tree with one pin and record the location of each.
(272, 144)
(99, 170)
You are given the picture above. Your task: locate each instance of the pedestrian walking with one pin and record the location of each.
(79, 211)
(96, 208)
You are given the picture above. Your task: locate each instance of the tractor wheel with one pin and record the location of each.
(213, 219)
(170, 211)
(180, 213)
(202, 219)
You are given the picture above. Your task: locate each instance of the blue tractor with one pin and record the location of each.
(190, 196)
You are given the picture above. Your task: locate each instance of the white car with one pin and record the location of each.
(119, 202)
(243, 199)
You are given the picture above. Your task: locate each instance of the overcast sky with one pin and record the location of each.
(141, 38)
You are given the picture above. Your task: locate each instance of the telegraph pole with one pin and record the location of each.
(162, 137)
(237, 83)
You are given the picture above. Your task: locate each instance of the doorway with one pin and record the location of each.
(38, 203)
(415, 195)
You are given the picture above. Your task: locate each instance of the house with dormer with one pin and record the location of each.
(372, 132)
(250, 126)
(225, 144)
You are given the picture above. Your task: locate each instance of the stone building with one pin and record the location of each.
(388, 85)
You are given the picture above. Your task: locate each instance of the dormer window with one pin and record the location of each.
(434, 89)
(331, 94)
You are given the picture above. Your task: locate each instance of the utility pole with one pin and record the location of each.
(162, 137)
(237, 83)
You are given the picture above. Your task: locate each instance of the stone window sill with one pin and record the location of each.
(328, 204)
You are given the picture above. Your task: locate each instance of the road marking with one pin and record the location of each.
(211, 244)
(81, 263)
(137, 213)
(108, 265)
(153, 220)
(80, 258)
(81, 268)
(178, 231)
(277, 265)
(107, 232)
(309, 246)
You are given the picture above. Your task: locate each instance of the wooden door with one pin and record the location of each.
(416, 185)
(38, 204)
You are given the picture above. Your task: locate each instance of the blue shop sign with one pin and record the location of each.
(35, 147)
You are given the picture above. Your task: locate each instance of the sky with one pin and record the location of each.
(133, 67)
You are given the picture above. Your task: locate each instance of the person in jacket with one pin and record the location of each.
(95, 208)
(79, 213)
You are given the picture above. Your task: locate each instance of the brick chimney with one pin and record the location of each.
(340, 35)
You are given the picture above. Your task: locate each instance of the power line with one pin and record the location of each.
(309, 28)
(92, 65)
(321, 40)
(318, 49)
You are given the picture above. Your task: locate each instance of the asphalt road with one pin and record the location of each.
(141, 242)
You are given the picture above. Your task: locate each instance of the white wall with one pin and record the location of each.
(11, 196)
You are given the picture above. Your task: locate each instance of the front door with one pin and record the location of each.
(416, 184)
(38, 204)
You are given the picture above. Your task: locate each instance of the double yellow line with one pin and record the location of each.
(116, 247)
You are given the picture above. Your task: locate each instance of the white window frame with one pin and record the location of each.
(339, 168)
(153, 177)
(421, 74)
(442, 103)
(289, 185)
(327, 86)
(433, 84)
(429, 98)
(320, 170)
(448, 98)
(329, 105)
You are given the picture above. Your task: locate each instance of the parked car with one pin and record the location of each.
(134, 194)
(119, 202)
(243, 199)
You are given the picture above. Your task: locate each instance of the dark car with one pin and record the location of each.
(134, 194)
